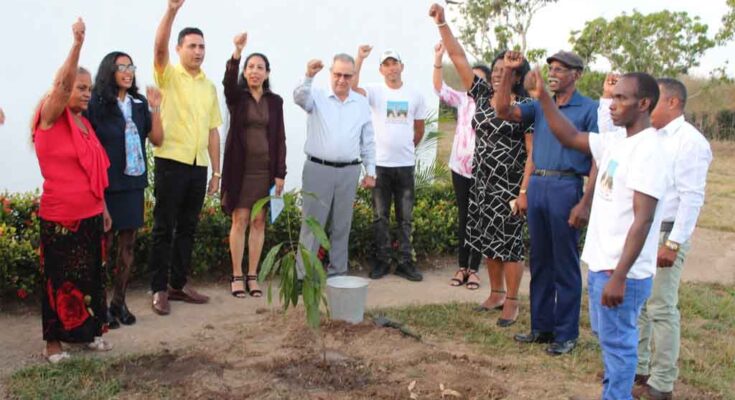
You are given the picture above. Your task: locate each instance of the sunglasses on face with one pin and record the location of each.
(338, 76)
(126, 68)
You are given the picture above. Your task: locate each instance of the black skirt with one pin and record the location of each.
(126, 208)
(74, 307)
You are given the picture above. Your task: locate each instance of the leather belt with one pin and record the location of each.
(667, 226)
(551, 172)
(332, 163)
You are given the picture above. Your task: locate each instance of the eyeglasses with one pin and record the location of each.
(126, 68)
(339, 76)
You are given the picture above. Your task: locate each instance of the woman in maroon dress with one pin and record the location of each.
(254, 161)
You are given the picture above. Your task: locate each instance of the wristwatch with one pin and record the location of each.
(671, 245)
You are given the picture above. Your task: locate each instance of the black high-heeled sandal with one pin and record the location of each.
(504, 323)
(472, 285)
(239, 293)
(121, 312)
(481, 308)
(252, 292)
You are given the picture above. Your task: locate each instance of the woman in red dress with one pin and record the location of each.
(72, 211)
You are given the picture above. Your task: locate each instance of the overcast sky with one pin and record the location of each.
(37, 36)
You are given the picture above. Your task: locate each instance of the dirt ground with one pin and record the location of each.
(234, 348)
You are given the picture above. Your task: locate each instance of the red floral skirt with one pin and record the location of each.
(74, 303)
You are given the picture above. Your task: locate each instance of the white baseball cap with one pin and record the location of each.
(390, 53)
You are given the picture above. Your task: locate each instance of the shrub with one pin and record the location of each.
(435, 222)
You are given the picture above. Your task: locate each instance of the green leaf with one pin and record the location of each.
(258, 206)
(318, 232)
(267, 265)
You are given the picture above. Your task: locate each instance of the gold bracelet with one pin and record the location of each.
(216, 175)
(523, 191)
(155, 110)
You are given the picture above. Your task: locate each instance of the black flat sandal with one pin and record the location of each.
(252, 292)
(472, 285)
(455, 281)
(239, 293)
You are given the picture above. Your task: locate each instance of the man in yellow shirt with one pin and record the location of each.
(190, 114)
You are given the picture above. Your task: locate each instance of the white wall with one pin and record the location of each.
(37, 35)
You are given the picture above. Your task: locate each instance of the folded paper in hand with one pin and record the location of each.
(276, 205)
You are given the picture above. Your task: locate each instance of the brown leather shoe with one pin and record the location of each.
(187, 294)
(648, 393)
(641, 379)
(160, 303)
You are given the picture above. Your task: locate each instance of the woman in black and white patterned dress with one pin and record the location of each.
(501, 167)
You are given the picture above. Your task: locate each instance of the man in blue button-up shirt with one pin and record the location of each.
(339, 137)
(557, 207)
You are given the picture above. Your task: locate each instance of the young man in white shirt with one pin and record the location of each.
(621, 243)
(398, 113)
(660, 319)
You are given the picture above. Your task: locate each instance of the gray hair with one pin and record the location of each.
(344, 57)
(674, 88)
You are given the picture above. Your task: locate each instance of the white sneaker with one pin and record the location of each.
(99, 344)
(56, 358)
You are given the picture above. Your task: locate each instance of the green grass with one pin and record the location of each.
(78, 378)
(707, 358)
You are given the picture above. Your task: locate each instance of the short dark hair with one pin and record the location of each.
(517, 88)
(189, 31)
(674, 88)
(647, 87)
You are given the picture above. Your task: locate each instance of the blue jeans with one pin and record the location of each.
(617, 330)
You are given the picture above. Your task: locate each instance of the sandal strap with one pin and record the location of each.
(236, 278)
(511, 298)
(251, 277)
(497, 291)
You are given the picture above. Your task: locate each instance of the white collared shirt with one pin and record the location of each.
(691, 156)
(337, 131)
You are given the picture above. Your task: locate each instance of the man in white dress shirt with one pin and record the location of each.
(339, 137)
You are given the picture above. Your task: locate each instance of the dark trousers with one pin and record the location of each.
(467, 256)
(556, 280)
(393, 184)
(179, 190)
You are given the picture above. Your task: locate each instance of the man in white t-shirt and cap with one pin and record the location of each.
(622, 237)
(399, 115)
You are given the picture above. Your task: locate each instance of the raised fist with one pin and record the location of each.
(364, 51)
(439, 50)
(175, 4)
(154, 96)
(513, 59)
(78, 30)
(240, 40)
(313, 67)
(534, 83)
(437, 12)
(607, 87)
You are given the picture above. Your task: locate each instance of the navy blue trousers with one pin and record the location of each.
(556, 280)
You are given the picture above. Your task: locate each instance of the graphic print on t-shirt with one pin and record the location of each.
(396, 112)
(607, 179)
